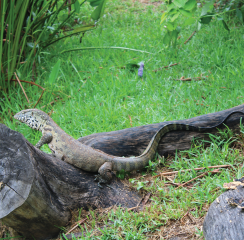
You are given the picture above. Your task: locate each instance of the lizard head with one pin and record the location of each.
(34, 118)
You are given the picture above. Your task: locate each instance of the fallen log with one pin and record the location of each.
(38, 191)
(133, 141)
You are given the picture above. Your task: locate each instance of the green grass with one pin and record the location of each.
(93, 93)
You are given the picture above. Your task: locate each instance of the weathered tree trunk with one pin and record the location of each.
(224, 221)
(38, 190)
(133, 141)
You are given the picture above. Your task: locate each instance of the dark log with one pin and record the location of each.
(133, 141)
(38, 190)
(224, 221)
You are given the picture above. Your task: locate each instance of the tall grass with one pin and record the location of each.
(27, 27)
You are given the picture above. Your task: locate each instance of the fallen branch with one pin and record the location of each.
(187, 170)
(189, 38)
(165, 67)
(22, 87)
(202, 175)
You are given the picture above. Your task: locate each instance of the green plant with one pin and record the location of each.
(139, 184)
(172, 19)
(121, 174)
(182, 13)
(31, 25)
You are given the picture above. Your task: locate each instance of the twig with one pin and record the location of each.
(129, 209)
(40, 97)
(32, 83)
(22, 87)
(187, 170)
(192, 209)
(146, 198)
(165, 67)
(190, 79)
(201, 175)
(171, 181)
(130, 120)
(77, 224)
(189, 38)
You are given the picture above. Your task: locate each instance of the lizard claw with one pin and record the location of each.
(100, 180)
(96, 178)
(100, 186)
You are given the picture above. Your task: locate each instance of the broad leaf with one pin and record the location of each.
(98, 12)
(170, 26)
(190, 5)
(53, 75)
(169, 7)
(179, 3)
(175, 16)
(95, 3)
(207, 7)
(77, 6)
(185, 13)
(205, 19)
(189, 21)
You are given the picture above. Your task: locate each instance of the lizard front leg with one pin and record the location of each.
(46, 138)
(105, 175)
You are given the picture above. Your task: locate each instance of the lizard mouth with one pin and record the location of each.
(19, 117)
(29, 120)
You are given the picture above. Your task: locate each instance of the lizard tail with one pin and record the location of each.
(139, 162)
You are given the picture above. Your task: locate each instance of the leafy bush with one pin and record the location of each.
(187, 10)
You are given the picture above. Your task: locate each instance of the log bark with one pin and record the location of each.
(133, 141)
(224, 221)
(38, 191)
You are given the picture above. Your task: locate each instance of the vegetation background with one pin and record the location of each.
(90, 85)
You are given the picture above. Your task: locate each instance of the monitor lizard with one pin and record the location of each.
(87, 158)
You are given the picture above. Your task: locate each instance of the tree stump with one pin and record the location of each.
(224, 221)
(38, 190)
